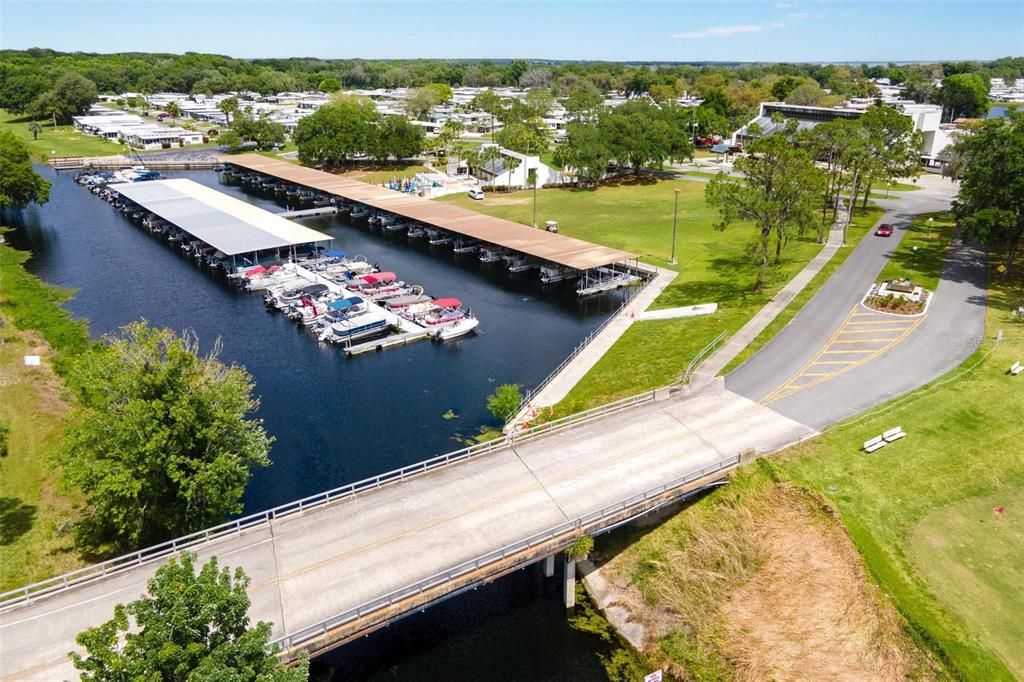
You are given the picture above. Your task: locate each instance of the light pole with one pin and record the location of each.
(913, 259)
(675, 216)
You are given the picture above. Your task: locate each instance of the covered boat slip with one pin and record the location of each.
(548, 246)
(227, 224)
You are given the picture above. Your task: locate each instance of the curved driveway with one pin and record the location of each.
(948, 334)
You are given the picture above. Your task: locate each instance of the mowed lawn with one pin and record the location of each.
(713, 268)
(930, 234)
(913, 501)
(63, 140)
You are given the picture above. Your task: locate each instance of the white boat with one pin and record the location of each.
(456, 329)
(354, 327)
(490, 254)
(551, 273)
(416, 232)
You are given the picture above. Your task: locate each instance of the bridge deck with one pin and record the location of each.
(310, 566)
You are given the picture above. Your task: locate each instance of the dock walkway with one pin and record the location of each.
(308, 212)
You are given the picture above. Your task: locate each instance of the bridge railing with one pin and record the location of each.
(237, 526)
(574, 527)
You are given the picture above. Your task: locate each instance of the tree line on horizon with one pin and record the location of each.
(29, 78)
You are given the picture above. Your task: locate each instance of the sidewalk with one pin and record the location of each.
(741, 339)
(569, 376)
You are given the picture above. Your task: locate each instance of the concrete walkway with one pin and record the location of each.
(741, 339)
(560, 385)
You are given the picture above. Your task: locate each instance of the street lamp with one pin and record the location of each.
(675, 216)
(913, 258)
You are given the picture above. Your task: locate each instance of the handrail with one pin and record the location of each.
(165, 549)
(575, 526)
(699, 357)
(578, 349)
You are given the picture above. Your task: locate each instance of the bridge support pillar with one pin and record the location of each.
(570, 584)
(549, 566)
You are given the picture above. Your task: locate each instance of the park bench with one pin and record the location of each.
(1015, 369)
(893, 434)
(875, 443)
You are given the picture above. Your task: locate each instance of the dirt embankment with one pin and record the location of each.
(760, 581)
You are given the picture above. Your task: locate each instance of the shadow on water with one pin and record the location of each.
(337, 420)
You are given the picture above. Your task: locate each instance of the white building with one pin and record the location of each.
(501, 172)
(160, 137)
(927, 118)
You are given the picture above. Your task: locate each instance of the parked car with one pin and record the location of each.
(476, 193)
(884, 230)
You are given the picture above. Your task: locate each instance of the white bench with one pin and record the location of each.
(893, 434)
(875, 443)
(1015, 369)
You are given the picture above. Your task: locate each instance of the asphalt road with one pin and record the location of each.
(910, 357)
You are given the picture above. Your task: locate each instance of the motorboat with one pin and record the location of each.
(285, 297)
(442, 311)
(520, 263)
(551, 273)
(359, 212)
(465, 246)
(456, 329)
(416, 232)
(354, 327)
(414, 297)
(375, 283)
(490, 254)
(436, 237)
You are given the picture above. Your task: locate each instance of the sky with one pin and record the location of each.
(670, 30)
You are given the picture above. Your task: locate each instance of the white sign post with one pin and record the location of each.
(653, 677)
(32, 361)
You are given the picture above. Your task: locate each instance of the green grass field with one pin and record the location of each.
(63, 140)
(923, 266)
(636, 216)
(962, 452)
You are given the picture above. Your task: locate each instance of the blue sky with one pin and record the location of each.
(679, 30)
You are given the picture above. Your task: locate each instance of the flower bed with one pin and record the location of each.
(897, 305)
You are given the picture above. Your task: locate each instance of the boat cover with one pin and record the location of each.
(448, 303)
(378, 277)
(335, 253)
(344, 303)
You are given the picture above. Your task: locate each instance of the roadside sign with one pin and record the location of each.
(653, 677)
(32, 361)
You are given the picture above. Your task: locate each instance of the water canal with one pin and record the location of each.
(337, 419)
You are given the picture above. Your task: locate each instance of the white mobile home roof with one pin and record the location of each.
(225, 223)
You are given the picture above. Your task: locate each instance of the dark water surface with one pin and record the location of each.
(338, 419)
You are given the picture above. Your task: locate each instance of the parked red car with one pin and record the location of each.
(884, 230)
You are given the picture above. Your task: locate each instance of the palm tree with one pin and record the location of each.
(489, 154)
(35, 129)
(511, 163)
(174, 111)
(228, 106)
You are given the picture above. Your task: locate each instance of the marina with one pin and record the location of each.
(523, 249)
(338, 300)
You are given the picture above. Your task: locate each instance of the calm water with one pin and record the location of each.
(339, 419)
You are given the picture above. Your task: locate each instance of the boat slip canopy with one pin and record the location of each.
(549, 246)
(225, 223)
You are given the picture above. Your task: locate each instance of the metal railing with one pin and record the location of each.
(237, 526)
(578, 349)
(699, 357)
(165, 549)
(574, 527)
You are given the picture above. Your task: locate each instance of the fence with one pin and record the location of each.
(574, 527)
(163, 550)
(577, 350)
(699, 357)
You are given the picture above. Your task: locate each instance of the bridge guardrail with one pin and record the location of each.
(577, 525)
(237, 526)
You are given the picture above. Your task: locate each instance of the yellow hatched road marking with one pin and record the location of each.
(857, 324)
(872, 331)
(789, 387)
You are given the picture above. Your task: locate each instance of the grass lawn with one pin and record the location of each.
(896, 187)
(969, 554)
(63, 140)
(963, 451)
(931, 239)
(863, 221)
(637, 217)
(35, 515)
(376, 175)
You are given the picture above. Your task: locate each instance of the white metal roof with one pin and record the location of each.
(225, 223)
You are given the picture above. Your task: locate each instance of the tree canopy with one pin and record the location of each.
(71, 95)
(20, 185)
(190, 627)
(964, 95)
(778, 192)
(336, 132)
(162, 441)
(990, 204)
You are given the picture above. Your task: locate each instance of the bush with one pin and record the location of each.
(504, 402)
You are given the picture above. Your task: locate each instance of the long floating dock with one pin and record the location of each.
(308, 212)
(402, 339)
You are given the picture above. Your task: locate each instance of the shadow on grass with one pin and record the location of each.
(16, 519)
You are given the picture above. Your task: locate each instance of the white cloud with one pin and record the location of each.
(728, 31)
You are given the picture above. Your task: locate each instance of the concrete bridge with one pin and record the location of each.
(338, 565)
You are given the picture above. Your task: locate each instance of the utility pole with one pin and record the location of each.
(675, 217)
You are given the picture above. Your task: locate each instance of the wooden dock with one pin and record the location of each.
(309, 212)
(403, 339)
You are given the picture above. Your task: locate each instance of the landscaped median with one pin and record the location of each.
(636, 215)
